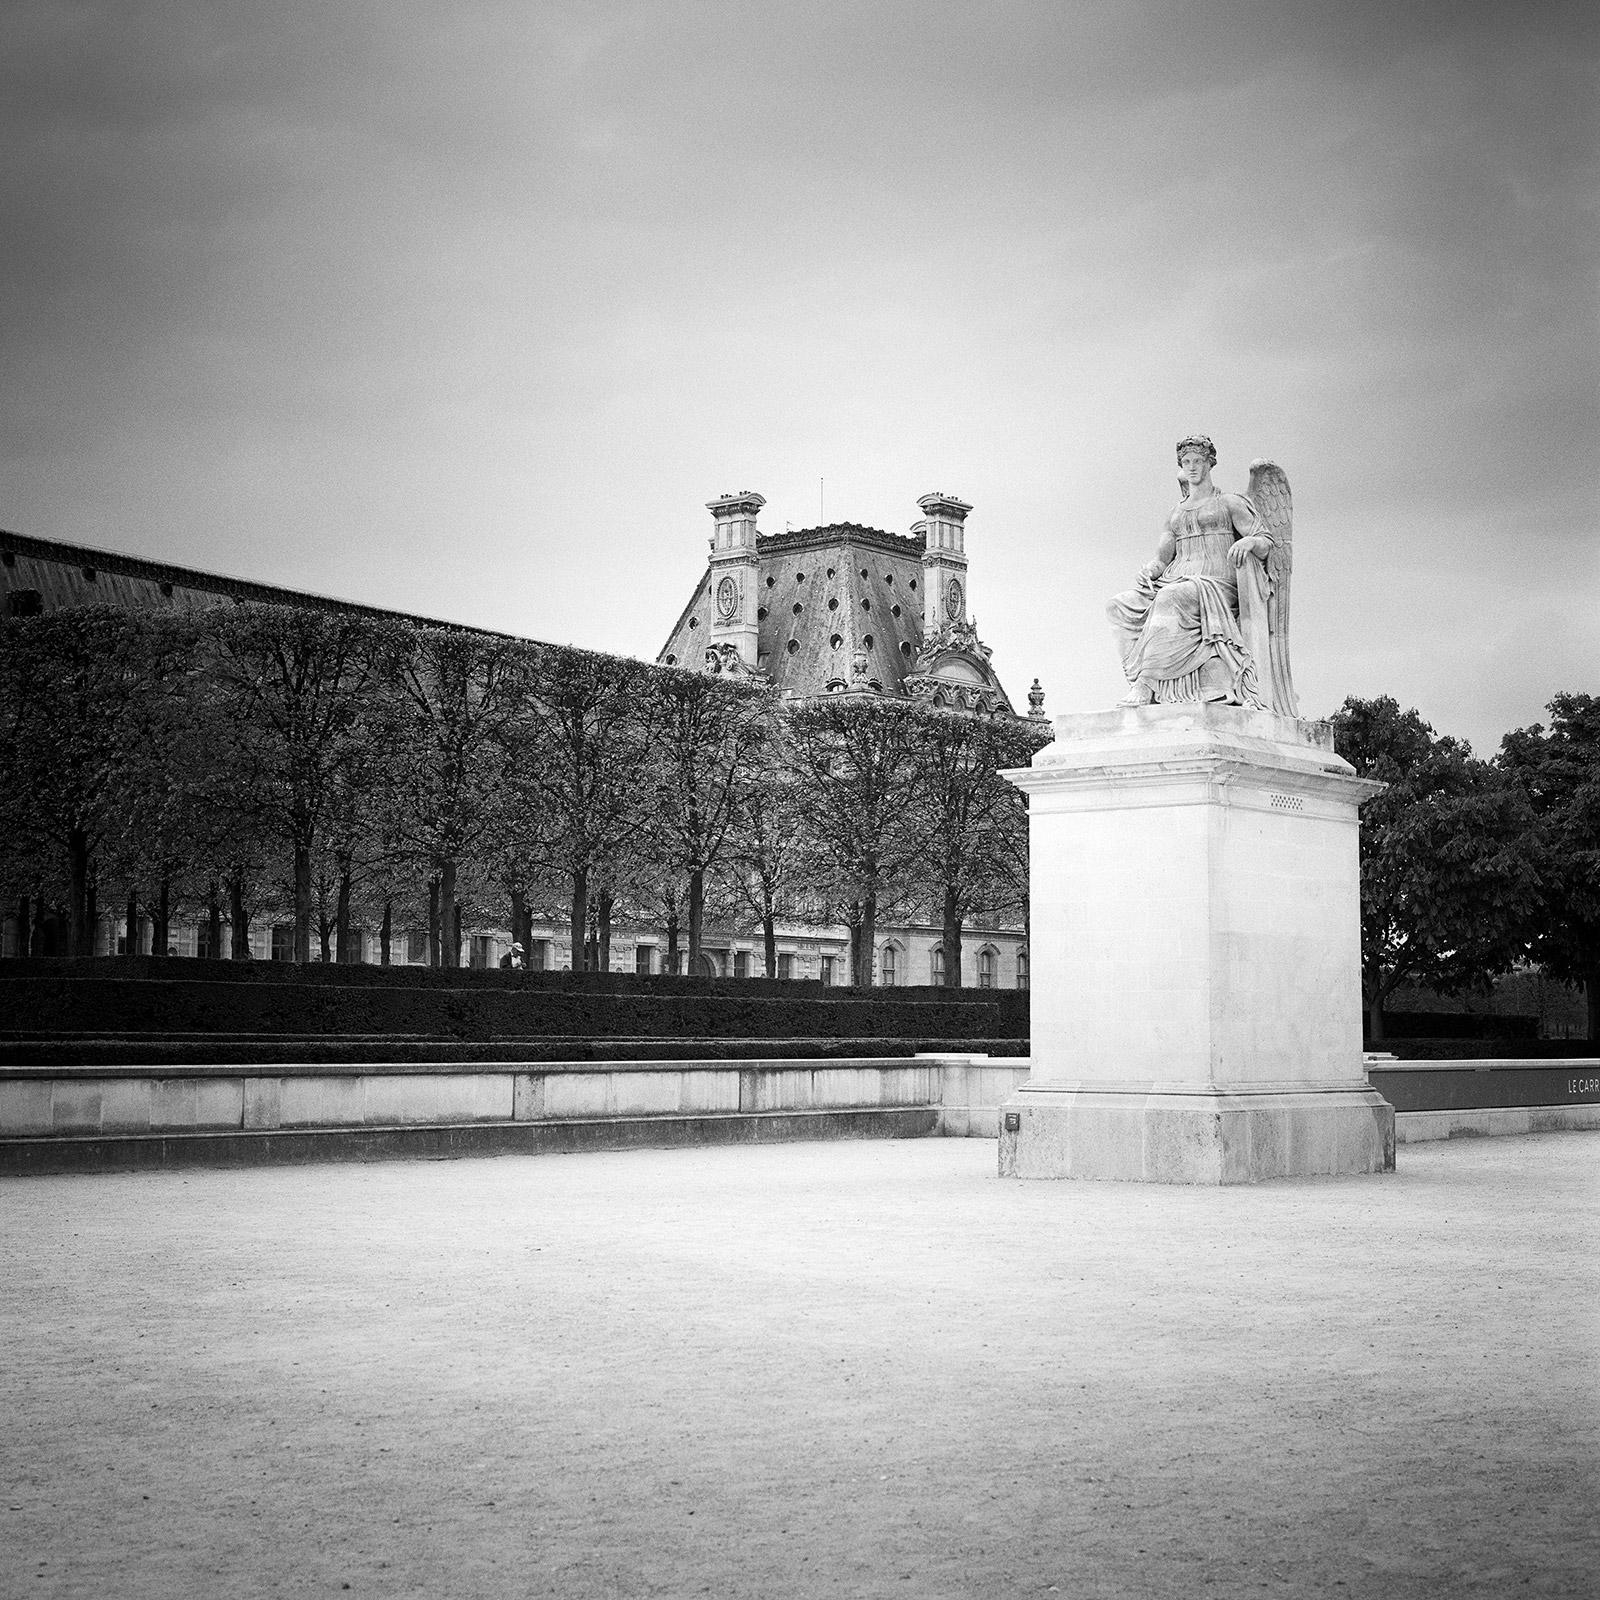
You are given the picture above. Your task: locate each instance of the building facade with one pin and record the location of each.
(841, 609)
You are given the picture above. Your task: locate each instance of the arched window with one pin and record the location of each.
(1022, 969)
(888, 967)
(988, 966)
(938, 965)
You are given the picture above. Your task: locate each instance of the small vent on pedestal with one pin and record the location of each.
(1287, 802)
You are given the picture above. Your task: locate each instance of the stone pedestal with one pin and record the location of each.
(1195, 949)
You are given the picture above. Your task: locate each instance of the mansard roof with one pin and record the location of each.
(66, 575)
(834, 595)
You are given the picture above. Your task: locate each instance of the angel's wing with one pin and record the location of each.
(1269, 489)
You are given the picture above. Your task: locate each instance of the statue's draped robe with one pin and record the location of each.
(1171, 627)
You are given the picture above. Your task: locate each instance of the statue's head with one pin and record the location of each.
(1198, 441)
(1196, 457)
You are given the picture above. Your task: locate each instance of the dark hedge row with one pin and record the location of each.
(1488, 1049)
(224, 1050)
(526, 1009)
(1457, 1025)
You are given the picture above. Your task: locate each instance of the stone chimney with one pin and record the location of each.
(734, 574)
(944, 562)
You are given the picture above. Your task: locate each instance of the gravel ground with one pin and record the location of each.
(844, 1369)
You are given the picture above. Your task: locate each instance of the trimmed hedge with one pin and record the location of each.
(507, 1006)
(223, 1050)
(1488, 1049)
(1458, 1025)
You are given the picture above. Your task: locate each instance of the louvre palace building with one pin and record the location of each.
(835, 610)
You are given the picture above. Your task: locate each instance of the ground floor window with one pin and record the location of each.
(828, 964)
(644, 959)
(416, 944)
(938, 965)
(987, 966)
(282, 942)
(889, 967)
(786, 965)
(482, 950)
(741, 963)
(1022, 969)
(538, 953)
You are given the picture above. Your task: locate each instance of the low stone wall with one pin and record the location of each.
(115, 1107)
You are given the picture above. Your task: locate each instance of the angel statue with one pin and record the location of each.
(1209, 619)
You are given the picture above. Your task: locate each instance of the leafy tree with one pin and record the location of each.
(1448, 884)
(84, 695)
(1558, 768)
(709, 740)
(295, 682)
(453, 697)
(973, 823)
(772, 854)
(576, 756)
(855, 782)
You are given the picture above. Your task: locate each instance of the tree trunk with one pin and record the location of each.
(580, 915)
(852, 920)
(672, 942)
(24, 925)
(341, 919)
(604, 901)
(91, 899)
(769, 940)
(433, 922)
(697, 915)
(80, 930)
(162, 919)
(952, 937)
(213, 921)
(302, 902)
(1372, 996)
(238, 922)
(385, 933)
(130, 942)
(452, 913)
(869, 938)
(519, 914)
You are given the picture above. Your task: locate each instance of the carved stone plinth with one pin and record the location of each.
(1195, 954)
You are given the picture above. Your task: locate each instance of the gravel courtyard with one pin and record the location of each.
(843, 1369)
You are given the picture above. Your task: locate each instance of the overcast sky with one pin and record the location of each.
(468, 309)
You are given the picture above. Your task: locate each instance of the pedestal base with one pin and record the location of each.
(1211, 1137)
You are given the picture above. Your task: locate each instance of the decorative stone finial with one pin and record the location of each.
(1036, 702)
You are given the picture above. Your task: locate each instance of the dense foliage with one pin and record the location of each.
(336, 772)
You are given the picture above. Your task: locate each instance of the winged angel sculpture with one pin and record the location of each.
(1209, 619)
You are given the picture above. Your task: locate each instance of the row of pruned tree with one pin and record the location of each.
(339, 771)
(1470, 867)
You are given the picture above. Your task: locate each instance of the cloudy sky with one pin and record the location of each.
(468, 309)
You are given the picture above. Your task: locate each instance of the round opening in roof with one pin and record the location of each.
(694, 622)
(913, 583)
(761, 613)
(867, 641)
(771, 581)
(794, 645)
(905, 647)
(799, 577)
(830, 572)
(833, 604)
(866, 604)
(863, 572)
(894, 611)
(672, 661)
(836, 641)
(798, 608)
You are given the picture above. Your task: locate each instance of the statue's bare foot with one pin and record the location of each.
(1142, 695)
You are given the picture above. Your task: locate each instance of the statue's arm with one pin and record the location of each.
(1165, 551)
(1252, 536)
